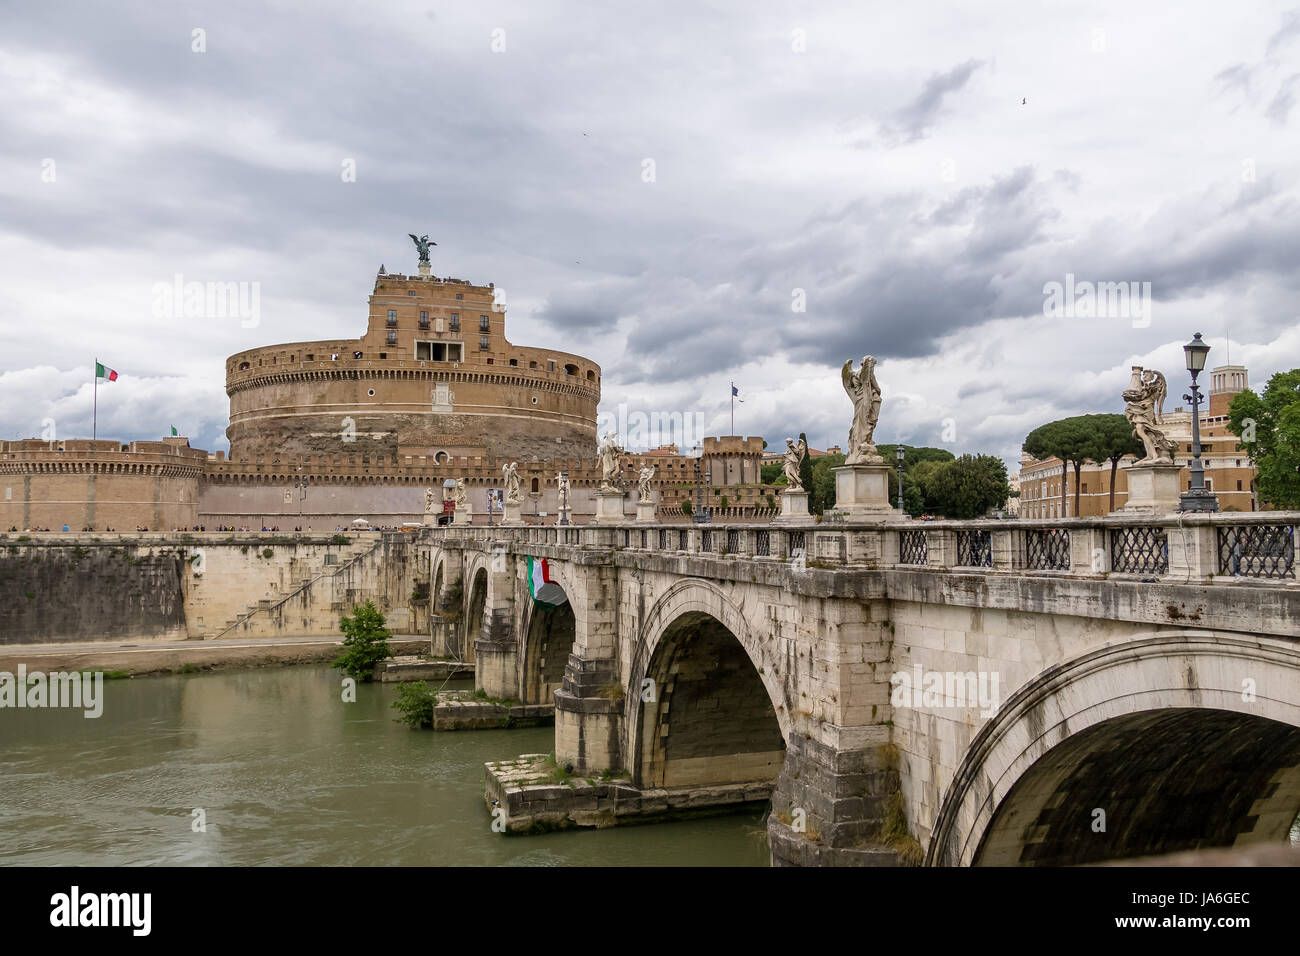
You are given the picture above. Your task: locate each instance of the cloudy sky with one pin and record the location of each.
(689, 193)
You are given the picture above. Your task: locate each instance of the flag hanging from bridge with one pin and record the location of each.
(541, 587)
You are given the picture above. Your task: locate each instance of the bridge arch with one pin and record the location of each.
(549, 633)
(1147, 733)
(718, 713)
(475, 596)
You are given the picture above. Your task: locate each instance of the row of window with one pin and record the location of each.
(484, 321)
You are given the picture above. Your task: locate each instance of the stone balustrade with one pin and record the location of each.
(1173, 548)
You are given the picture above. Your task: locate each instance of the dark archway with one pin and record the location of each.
(711, 721)
(551, 630)
(474, 615)
(1160, 781)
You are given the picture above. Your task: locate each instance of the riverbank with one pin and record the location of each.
(148, 658)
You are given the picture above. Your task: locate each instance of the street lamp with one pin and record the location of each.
(1196, 498)
(898, 453)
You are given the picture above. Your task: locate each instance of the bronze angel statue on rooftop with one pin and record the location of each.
(422, 245)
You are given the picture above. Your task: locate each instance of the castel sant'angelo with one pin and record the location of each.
(325, 433)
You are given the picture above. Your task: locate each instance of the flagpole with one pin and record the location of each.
(733, 408)
(94, 427)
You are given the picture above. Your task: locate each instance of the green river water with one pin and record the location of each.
(288, 774)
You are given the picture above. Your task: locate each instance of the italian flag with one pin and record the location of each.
(541, 587)
(102, 372)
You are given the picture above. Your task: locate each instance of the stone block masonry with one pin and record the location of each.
(107, 587)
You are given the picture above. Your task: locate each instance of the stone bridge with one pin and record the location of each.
(957, 693)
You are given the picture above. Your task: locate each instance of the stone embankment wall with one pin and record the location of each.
(81, 587)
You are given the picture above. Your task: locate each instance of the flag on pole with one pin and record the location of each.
(103, 372)
(735, 393)
(541, 587)
(174, 431)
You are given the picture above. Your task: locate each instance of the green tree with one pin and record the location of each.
(771, 473)
(687, 508)
(1068, 439)
(1113, 440)
(823, 481)
(913, 497)
(365, 643)
(415, 702)
(968, 487)
(1268, 427)
(1084, 438)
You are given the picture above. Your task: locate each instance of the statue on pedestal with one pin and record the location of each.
(791, 462)
(460, 495)
(428, 500)
(562, 487)
(422, 245)
(609, 461)
(510, 477)
(643, 481)
(1144, 407)
(864, 391)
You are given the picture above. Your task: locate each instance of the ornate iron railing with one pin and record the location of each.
(1139, 550)
(1257, 551)
(1047, 549)
(733, 541)
(762, 543)
(797, 545)
(913, 548)
(974, 549)
(683, 541)
(663, 539)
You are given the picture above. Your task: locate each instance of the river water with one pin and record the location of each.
(288, 774)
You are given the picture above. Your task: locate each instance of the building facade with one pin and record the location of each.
(433, 377)
(1229, 473)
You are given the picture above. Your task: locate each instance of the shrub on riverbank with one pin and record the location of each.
(415, 701)
(365, 643)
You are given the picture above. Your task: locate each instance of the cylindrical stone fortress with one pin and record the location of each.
(433, 376)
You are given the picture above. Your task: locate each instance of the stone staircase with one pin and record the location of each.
(347, 557)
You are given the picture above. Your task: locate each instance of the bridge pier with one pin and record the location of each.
(838, 797)
(589, 702)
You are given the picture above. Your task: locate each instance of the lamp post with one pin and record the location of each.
(898, 453)
(1197, 497)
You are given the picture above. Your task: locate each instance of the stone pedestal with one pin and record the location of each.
(645, 510)
(464, 514)
(430, 518)
(424, 269)
(609, 508)
(513, 514)
(863, 491)
(1152, 488)
(794, 506)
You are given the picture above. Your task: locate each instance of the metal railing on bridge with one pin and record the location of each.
(1225, 546)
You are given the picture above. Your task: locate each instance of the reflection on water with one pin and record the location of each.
(288, 774)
